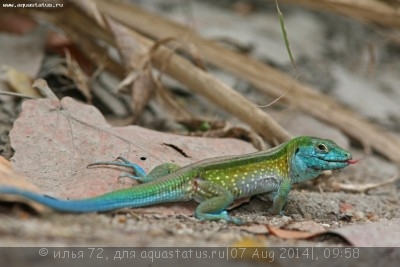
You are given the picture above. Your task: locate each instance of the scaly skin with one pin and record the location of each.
(214, 183)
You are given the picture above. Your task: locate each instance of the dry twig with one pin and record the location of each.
(362, 188)
(383, 13)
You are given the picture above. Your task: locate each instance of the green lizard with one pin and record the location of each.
(214, 183)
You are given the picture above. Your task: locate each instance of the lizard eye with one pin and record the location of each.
(322, 147)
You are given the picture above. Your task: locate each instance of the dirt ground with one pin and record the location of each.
(328, 62)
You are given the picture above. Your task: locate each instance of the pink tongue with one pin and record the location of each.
(352, 161)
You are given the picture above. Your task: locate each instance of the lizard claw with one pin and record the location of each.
(237, 221)
(275, 212)
(223, 215)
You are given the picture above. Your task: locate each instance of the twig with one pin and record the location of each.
(17, 94)
(370, 11)
(362, 188)
(44, 89)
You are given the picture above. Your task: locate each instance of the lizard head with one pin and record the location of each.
(312, 155)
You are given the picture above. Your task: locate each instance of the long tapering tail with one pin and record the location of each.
(134, 197)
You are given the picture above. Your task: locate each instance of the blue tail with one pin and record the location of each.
(133, 197)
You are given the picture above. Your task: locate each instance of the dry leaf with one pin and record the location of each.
(306, 226)
(345, 208)
(136, 59)
(379, 234)
(289, 234)
(9, 178)
(78, 76)
(18, 81)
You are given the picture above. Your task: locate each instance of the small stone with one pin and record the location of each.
(335, 224)
(297, 217)
(359, 215)
(122, 219)
(308, 216)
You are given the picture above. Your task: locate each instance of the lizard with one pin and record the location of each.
(214, 183)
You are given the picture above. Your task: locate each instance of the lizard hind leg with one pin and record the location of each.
(157, 172)
(214, 199)
(139, 174)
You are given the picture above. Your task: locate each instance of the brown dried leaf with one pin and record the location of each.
(18, 81)
(289, 234)
(345, 208)
(9, 178)
(141, 92)
(55, 140)
(78, 76)
(306, 226)
(379, 234)
(136, 59)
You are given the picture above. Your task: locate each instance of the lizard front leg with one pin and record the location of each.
(281, 197)
(214, 199)
(139, 174)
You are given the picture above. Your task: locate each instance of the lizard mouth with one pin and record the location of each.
(348, 161)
